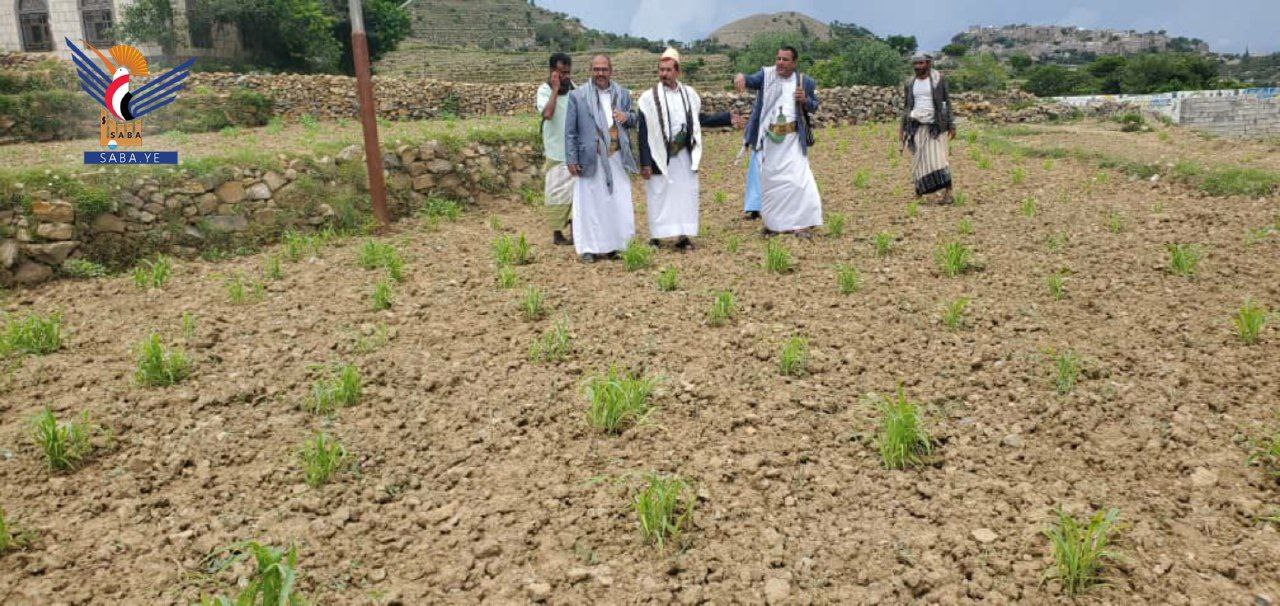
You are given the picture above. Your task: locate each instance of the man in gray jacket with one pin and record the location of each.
(926, 115)
(598, 153)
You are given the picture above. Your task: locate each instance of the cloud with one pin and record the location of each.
(666, 19)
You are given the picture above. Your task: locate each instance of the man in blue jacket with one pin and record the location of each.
(597, 151)
(778, 133)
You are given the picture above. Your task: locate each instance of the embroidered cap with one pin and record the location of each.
(921, 56)
(672, 54)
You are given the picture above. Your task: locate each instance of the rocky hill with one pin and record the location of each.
(740, 33)
(501, 24)
(1058, 43)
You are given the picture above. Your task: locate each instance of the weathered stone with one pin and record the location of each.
(154, 207)
(226, 223)
(259, 191)
(1203, 477)
(207, 204)
(53, 211)
(8, 253)
(348, 154)
(399, 182)
(274, 180)
(984, 535)
(32, 273)
(776, 591)
(230, 192)
(191, 188)
(145, 217)
(440, 166)
(131, 201)
(56, 231)
(424, 182)
(51, 254)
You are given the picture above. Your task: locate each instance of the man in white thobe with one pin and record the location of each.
(778, 132)
(671, 151)
(552, 103)
(598, 153)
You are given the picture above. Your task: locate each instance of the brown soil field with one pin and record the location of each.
(479, 479)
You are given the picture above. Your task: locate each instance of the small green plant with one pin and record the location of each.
(153, 273)
(835, 225)
(82, 269)
(272, 269)
(793, 360)
(63, 445)
(777, 257)
(668, 279)
(321, 456)
(983, 162)
(241, 291)
(637, 255)
(495, 223)
(1080, 551)
(617, 399)
(720, 198)
(959, 200)
(848, 279)
(722, 309)
(34, 333)
(913, 209)
(531, 303)
(1249, 321)
(953, 312)
(954, 258)
(378, 255)
(509, 251)
(441, 208)
(1028, 207)
(1066, 372)
(883, 243)
(1018, 175)
(553, 346)
(1048, 164)
(506, 277)
(1115, 221)
(10, 536)
(664, 507)
(382, 296)
(1183, 259)
(340, 389)
(862, 178)
(160, 366)
(273, 582)
(733, 243)
(188, 326)
(965, 227)
(903, 440)
(1056, 285)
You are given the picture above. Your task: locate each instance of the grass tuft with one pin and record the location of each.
(722, 309)
(953, 313)
(1080, 551)
(637, 255)
(1028, 207)
(1183, 259)
(554, 345)
(241, 291)
(1066, 372)
(153, 273)
(793, 360)
(531, 303)
(835, 225)
(341, 389)
(954, 258)
(63, 445)
(272, 270)
(883, 243)
(668, 280)
(378, 255)
(777, 257)
(664, 507)
(506, 278)
(36, 334)
(733, 243)
(321, 456)
(509, 251)
(617, 400)
(272, 583)
(1249, 321)
(848, 279)
(903, 440)
(1056, 284)
(383, 297)
(965, 227)
(159, 366)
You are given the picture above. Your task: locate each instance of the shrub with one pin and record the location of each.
(663, 508)
(617, 399)
(321, 456)
(1080, 551)
(777, 257)
(37, 334)
(159, 366)
(793, 360)
(903, 440)
(1253, 182)
(341, 389)
(637, 255)
(62, 444)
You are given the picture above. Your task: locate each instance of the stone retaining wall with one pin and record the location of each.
(183, 213)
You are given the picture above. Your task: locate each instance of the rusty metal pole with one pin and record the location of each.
(368, 114)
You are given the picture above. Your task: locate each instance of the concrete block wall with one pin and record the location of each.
(1233, 116)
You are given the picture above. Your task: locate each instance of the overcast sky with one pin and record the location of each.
(1227, 25)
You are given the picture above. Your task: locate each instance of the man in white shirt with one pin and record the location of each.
(926, 115)
(553, 104)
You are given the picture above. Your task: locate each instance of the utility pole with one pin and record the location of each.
(368, 114)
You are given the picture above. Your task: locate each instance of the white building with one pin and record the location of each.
(40, 26)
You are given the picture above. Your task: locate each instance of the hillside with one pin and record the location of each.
(740, 33)
(1070, 44)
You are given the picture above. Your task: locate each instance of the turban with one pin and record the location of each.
(672, 54)
(921, 56)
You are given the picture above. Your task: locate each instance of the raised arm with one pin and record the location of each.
(547, 101)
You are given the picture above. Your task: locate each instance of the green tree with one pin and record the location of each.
(149, 21)
(1108, 71)
(1020, 63)
(863, 61)
(905, 45)
(1056, 81)
(980, 73)
(385, 23)
(763, 50)
(955, 50)
(1165, 72)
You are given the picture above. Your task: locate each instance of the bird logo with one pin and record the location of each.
(117, 88)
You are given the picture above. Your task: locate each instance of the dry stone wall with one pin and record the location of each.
(183, 213)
